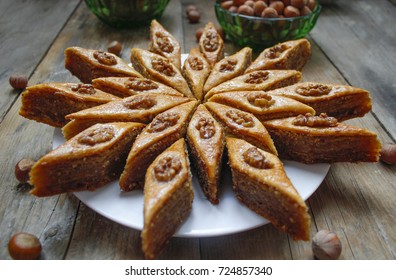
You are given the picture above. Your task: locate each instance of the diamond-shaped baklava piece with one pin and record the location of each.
(168, 197)
(259, 80)
(315, 139)
(163, 43)
(124, 87)
(87, 64)
(261, 104)
(49, 103)
(196, 70)
(260, 182)
(88, 161)
(339, 101)
(205, 138)
(291, 55)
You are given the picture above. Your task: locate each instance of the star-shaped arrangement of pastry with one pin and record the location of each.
(143, 124)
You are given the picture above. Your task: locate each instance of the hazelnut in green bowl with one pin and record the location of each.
(261, 24)
(127, 13)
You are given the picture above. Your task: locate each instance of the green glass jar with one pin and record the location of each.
(127, 13)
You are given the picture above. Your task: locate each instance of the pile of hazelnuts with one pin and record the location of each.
(270, 8)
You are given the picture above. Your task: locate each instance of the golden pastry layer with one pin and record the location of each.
(211, 44)
(88, 161)
(124, 87)
(228, 68)
(205, 139)
(168, 197)
(163, 131)
(49, 103)
(163, 43)
(316, 139)
(159, 68)
(291, 55)
(261, 104)
(140, 108)
(243, 125)
(259, 80)
(196, 70)
(88, 64)
(260, 182)
(340, 101)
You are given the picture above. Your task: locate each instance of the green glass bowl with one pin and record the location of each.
(127, 13)
(257, 32)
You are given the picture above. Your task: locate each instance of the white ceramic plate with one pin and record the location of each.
(230, 216)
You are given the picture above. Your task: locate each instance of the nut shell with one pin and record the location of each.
(326, 245)
(24, 246)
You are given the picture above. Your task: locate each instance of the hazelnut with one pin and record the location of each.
(287, 2)
(22, 169)
(245, 10)
(190, 8)
(299, 4)
(226, 4)
(18, 81)
(388, 153)
(311, 4)
(291, 11)
(249, 3)
(239, 2)
(24, 246)
(233, 9)
(269, 13)
(305, 11)
(194, 16)
(278, 6)
(114, 47)
(259, 7)
(326, 245)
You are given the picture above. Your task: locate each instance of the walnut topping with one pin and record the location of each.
(240, 118)
(140, 84)
(206, 128)
(228, 65)
(315, 121)
(313, 90)
(163, 66)
(164, 43)
(211, 41)
(163, 121)
(140, 102)
(257, 77)
(276, 51)
(196, 63)
(97, 136)
(260, 99)
(167, 168)
(83, 88)
(105, 58)
(256, 159)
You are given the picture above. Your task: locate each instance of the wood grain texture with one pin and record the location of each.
(362, 45)
(23, 42)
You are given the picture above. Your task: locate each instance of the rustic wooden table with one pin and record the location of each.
(353, 43)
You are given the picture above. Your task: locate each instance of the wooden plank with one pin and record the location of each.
(362, 50)
(23, 42)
